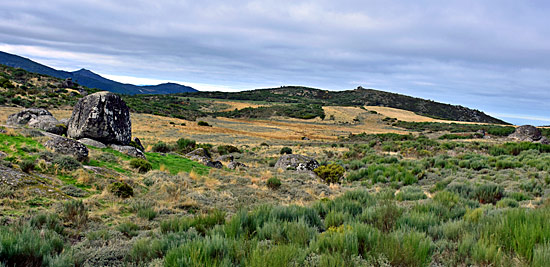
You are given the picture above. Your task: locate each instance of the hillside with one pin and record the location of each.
(357, 97)
(92, 80)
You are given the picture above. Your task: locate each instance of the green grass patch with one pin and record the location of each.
(175, 164)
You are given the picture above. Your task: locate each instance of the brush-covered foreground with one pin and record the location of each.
(399, 200)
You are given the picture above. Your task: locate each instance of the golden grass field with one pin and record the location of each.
(339, 121)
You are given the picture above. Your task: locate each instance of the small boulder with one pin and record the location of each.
(101, 116)
(226, 158)
(199, 152)
(236, 165)
(214, 164)
(91, 142)
(68, 146)
(297, 162)
(128, 150)
(38, 118)
(527, 133)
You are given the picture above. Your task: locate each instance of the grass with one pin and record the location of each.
(175, 164)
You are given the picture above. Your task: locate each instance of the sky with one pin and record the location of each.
(491, 55)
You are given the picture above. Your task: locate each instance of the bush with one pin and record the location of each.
(75, 211)
(27, 165)
(273, 183)
(108, 157)
(286, 150)
(227, 149)
(410, 193)
(142, 165)
(331, 173)
(121, 189)
(161, 147)
(49, 221)
(129, 229)
(144, 209)
(29, 247)
(186, 145)
(210, 251)
(67, 163)
(488, 193)
(203, 123)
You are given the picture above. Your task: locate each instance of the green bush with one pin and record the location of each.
(331, 173)
(209, 251)
(410, 193)
(488, 193)
(27, 165)
(203, 123)
(186, 145)
(29, 247)
(67, 163)
(161, 147)
(121, 189)
(49, 221)
(227, 149)
(144, 209)
(142, 165)
(108, 157)
(202, 223)
(129, 229)
(285, 150)
(273, 183)
(75, 212)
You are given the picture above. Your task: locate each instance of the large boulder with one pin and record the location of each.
(68, 146)
(38, 118)
(103, 117)
(297, 162)
(528, 133)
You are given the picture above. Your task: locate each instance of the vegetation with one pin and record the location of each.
(285, 150)
(331, 173)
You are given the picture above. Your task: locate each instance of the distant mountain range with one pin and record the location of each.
(92, 80)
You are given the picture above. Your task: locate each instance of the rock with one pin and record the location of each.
(526, 133)
(226, 158)
(64, 121)
(236, 165)
(101, 116)
(305, 138)
(480, 134)
(138, 143)
(297, 162)
(68, 146)
(91, 142)
(38, 118)
(544, 141)
(67, 83)
(199, 152)
(214, 164)
(3, 155)
(128, 150)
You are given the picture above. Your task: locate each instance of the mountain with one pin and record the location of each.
(92, 80)
(358, 97)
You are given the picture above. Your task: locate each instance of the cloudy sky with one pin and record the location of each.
(489, 55)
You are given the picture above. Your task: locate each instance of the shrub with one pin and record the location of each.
(331, 173)
(27, 165)
(507, 202)
(161, 147)
(186, 145)
(29, 247)
(210, 251)
(75, 211)
(49, 221)
(144, 209)
(410, 193)
(203, 123)
(108, 157)
(129, 229)
(142, 165)
(67, 163)
(227, 149)
(121, 189)
(202, 223)
(488, 193)
(285, 150)
(273, 183)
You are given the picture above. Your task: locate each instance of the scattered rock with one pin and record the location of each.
(129, 150)
(68, 146)
(527, 133)
(67, 83)
(199, 152)
(38, 118)
(236, 165)
(138, 143)
(305, 138)
(91, 142)
(101, 116)
(297, 162)
(214, 164)
(226, 158)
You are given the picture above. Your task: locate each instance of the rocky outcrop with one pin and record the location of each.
(67, 146)
(214, 164)
(37, 118)
(103, 117)
(226, 158)
(236, 165)
(128, 150)
(201, 155)
(528, 133)
(297, 162)
(91, 142)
